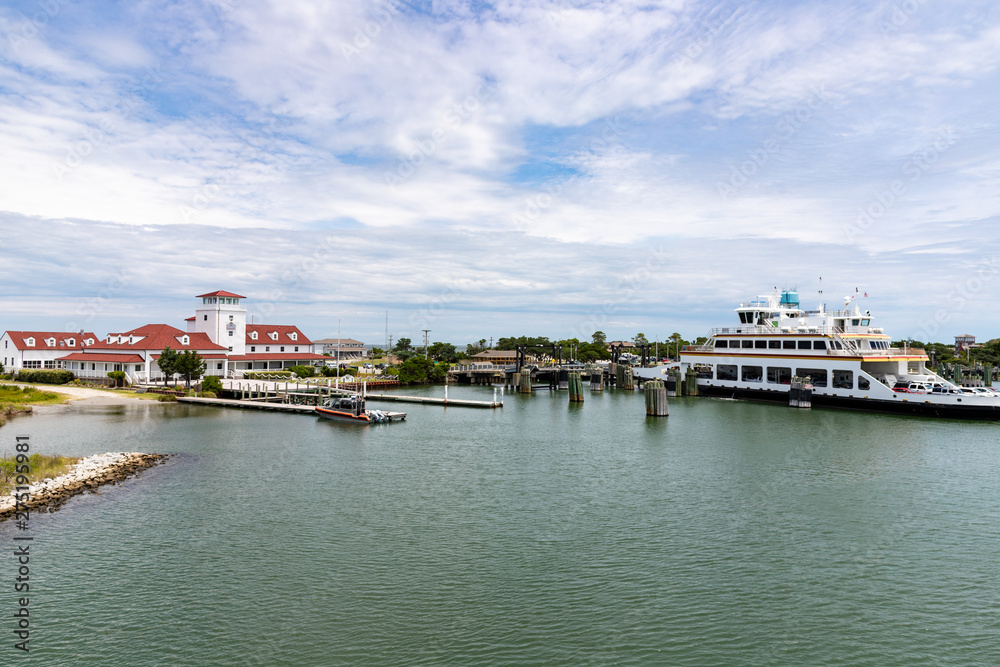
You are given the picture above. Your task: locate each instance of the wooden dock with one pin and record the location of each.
(433, 400)
(259, 404)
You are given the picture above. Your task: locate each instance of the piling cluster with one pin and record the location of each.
(574, 382)
(656, 399)
(87, 475)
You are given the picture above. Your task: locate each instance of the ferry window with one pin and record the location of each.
(722, 343)
(774, 344)
(725, 372)
(743, 318)
(747, 343)
(760, 344)
(865, 323)
(788, 344)
(818, 375)
(855, 322)
(778, 375)
(863, 383)
(843, 379)
(752, 373)
(835, 344)
(805, 345)
(819, 344)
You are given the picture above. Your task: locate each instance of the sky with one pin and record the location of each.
(497, 169)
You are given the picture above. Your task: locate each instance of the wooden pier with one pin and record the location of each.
(261, 404)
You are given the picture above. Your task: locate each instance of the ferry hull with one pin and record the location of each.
(338, 416)
(910, 406)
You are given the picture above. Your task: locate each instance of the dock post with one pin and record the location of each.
(800, 393)
(575, 385)
(446, 392)
(672, 383)
(563, 378)
(596, 379)
(656, 399)
(691, 382)
(625, 379)
(525, 387)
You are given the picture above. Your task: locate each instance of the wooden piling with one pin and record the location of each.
(691, 382)
(672, 382)
(525, 387)
(656, 399)
(596, 379)
(575, 385)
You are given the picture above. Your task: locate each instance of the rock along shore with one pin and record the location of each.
(87, 475)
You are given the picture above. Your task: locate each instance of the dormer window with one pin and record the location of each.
(89, 341)
(185, 340)
(121, 339)
(294, 335)
(273, 335)
(71, 342)
(131, 340)
(253, 335)
(51, 342)
(30, 342)
(111, 339)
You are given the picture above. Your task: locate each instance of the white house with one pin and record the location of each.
(347, 348)
(40, 349)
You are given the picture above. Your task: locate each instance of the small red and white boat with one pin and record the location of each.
(352, 409)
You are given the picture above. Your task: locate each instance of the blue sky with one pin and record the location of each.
(493, 169)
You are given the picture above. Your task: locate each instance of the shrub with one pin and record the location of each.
(303, 371)
(208, 394)
(118, 377)
(211, 384)
(48, 376)
(266, 375)
(166, 398)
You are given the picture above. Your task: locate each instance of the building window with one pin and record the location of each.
(230, 333)
(51, 342)
(267, 349)
(230, 318)
(777, 375)
(30, 342)
(138, 367)
(206, 317)
(50, 363)
(725, 372)
(282, 348)
(253, 348)
(253, 335)
(230, 348)
(33, 364)
(293, 336)
(218, 365)
(296, 348)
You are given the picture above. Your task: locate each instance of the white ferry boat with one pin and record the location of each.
(849, 362)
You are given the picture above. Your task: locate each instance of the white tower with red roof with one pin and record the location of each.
(221, 316)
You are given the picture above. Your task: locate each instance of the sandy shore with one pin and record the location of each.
(86, 395)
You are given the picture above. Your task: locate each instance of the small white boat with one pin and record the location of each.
(352, 409)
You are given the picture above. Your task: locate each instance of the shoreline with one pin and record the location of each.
(89, 474)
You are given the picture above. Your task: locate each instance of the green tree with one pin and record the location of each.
(443, 352)
(212, 383)
(640, 339)
(402, 345)
(303, 371)
(599, 338)
(167, 363)
(377, 352)
(191, 365)
(675, 348)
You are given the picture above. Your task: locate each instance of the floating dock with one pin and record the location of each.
(268, 405)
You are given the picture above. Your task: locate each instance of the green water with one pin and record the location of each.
(544, 533)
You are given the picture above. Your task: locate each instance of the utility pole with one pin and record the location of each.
(338, 347)
(426, 331)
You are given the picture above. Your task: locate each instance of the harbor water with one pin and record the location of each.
(545, 532)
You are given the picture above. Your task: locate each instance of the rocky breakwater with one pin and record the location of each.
(87, 475)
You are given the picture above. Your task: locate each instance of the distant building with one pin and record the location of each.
(499, 357)
(345, 348)
(964, 342)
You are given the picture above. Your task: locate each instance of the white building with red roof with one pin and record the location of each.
(40, 349)
(218, 331)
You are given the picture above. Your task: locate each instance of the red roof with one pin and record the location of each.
(159, 336)
(154, 357)
(119, 358)
(280, 356)
(222, 293)
(62, 339)
(190, 319)
(264, 332)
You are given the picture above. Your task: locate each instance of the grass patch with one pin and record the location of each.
(16, 400)
(40, 467)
